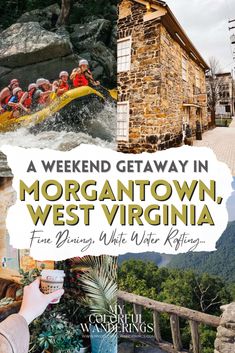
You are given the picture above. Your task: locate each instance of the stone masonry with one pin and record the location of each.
(7, 198)
(159, 99)
(225, 341)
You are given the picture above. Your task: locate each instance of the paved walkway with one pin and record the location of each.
(222, 141)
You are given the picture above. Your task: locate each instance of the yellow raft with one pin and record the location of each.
(9, 123)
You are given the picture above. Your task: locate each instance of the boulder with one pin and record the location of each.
(105, 57)
(85, 55)
(49, 69)
(91, 18)
(28, 43)
(4, 71)
(97, 71)
(62, 32)
(84, 35)
(113, 40)
(47, 17)
(224, 342)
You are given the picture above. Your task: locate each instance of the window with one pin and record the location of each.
(184, 69)
(123, 121)
(124, 54)
(197, 77)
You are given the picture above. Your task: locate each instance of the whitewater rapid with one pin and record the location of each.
(100, 130)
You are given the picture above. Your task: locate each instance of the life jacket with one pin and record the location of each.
(20, 95)
(63, 85)
(41, 99)
(6, 100)
(81, 80)
(28, 101)
(18, 98)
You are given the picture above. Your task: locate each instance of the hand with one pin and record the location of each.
(35, 302)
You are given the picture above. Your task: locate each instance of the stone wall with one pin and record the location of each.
(141, 85)
(225, 340)
(175, 92)
(154, 86)
(7, 198)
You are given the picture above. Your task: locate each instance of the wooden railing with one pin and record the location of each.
(195, 318)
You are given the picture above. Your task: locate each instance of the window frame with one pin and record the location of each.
(126, 122)
(121, 40)
(184, 69)
(197, 79)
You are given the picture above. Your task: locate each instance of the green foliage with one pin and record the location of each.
(54, 332)
(146, 256)
(219, 263)
(99, 282)
(207, 336)
(201, 292)
(27, 277)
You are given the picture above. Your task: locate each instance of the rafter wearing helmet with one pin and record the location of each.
(7, 92)
(63, 85)
(42, 93)
(82, 75)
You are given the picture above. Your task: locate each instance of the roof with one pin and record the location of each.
(173, 26)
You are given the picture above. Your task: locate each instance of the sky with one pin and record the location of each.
(206, 23)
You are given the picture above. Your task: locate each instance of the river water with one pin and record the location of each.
(100, 130)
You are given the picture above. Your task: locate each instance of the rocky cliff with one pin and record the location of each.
(32, 45)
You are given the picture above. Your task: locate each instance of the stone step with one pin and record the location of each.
(129, 347)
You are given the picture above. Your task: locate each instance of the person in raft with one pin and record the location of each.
(42, 93)
(14, 332)
(82, 75)
(6, 94)
(16, 102)
(30, 101)
(63, 85)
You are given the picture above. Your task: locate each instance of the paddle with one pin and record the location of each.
(112, 92)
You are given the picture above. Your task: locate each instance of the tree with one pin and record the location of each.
(211, 293)
(64, 12)
(213, 87)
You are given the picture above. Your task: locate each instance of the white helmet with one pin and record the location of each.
(31, 86)
(16, 90)
(63, 73)
(41, 81)
(83, 62)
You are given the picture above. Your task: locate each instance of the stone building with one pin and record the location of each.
(225, 107)
(8, 255)
(161, 78)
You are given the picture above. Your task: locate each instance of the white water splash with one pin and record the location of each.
(99, 131)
